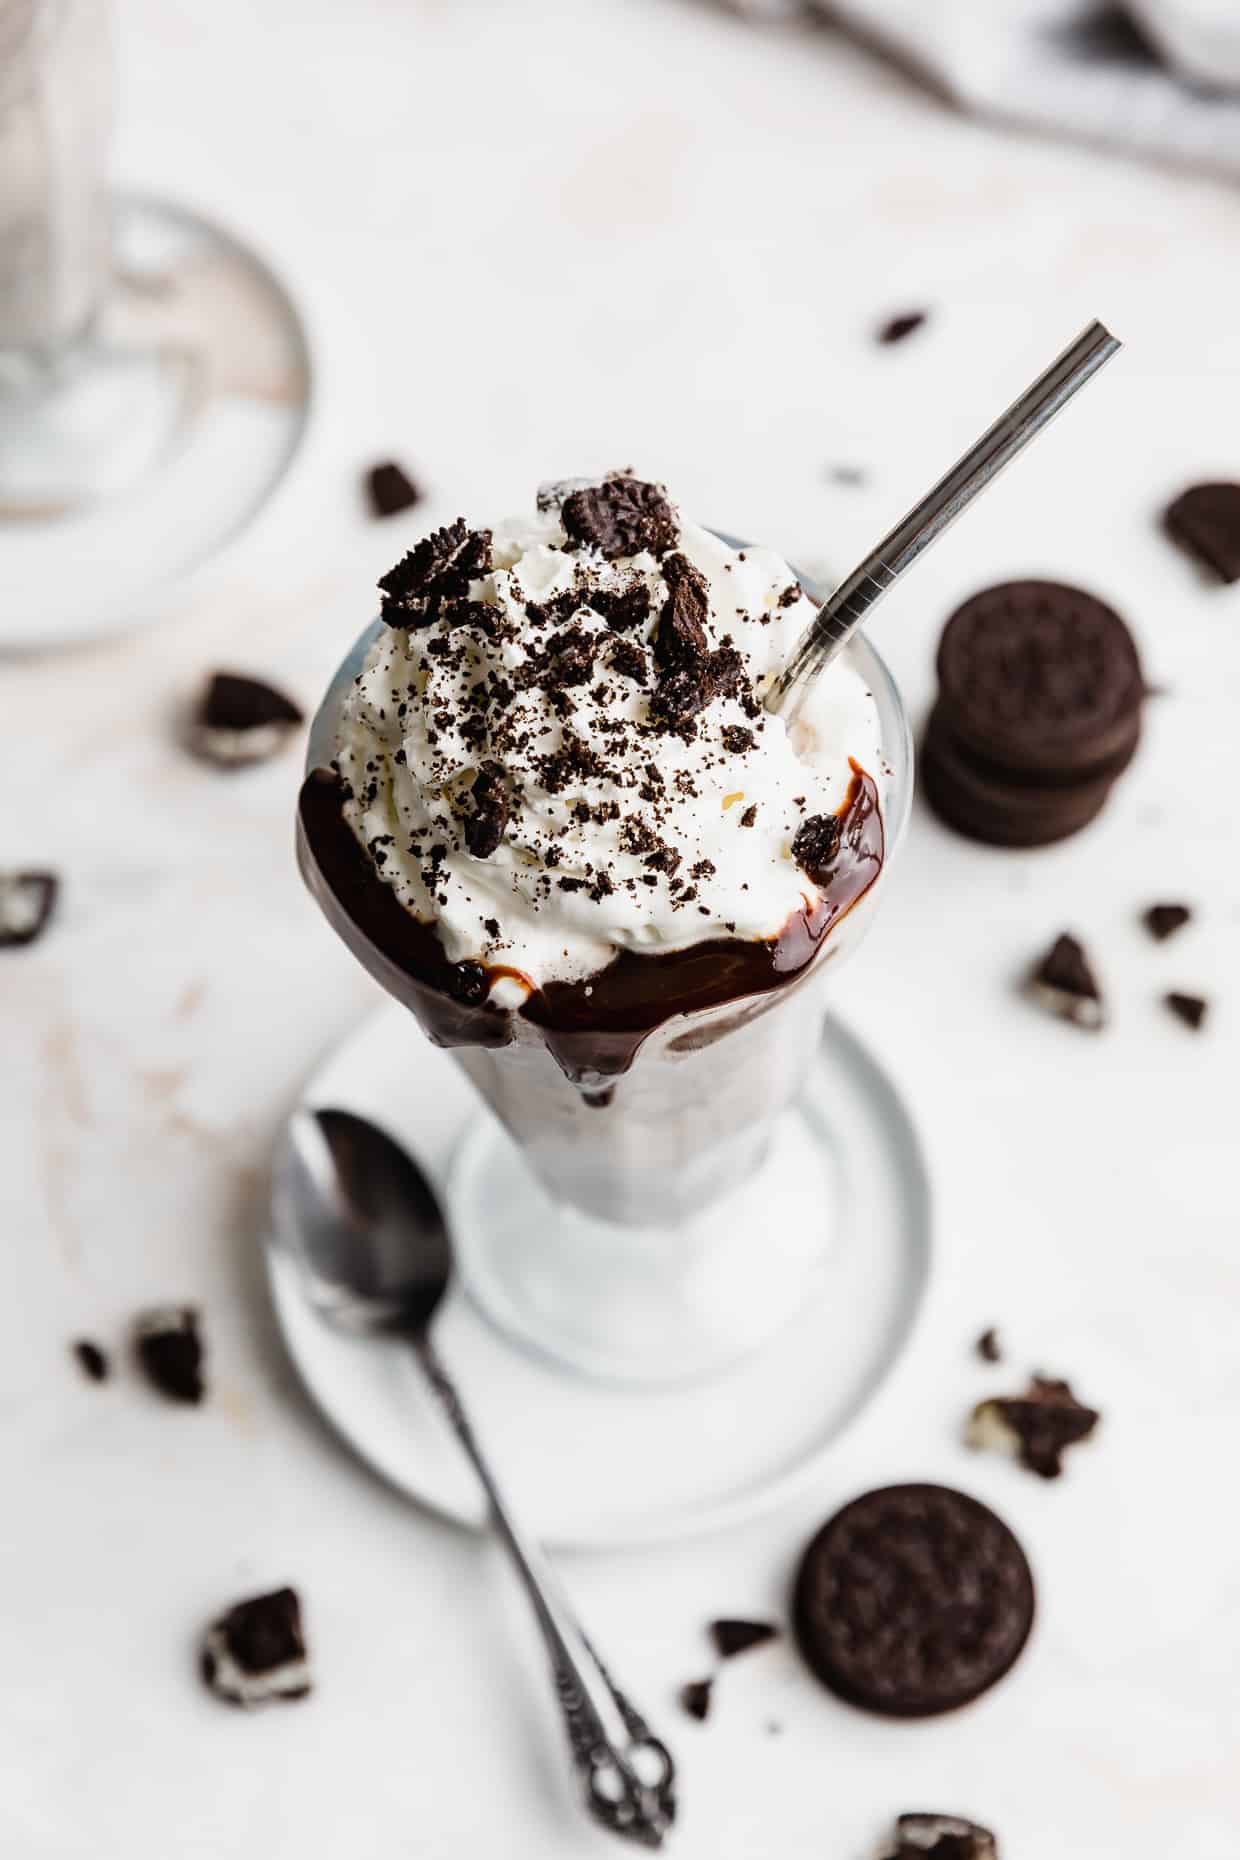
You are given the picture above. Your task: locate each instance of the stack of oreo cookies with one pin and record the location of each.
(1039, 709)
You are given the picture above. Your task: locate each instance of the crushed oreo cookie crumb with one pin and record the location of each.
(733, 1636)
(1191, 1009)
(987, 1347)
(1163, 920)
(896, 328)
(390, 489)
(169, 1348)
(924, 1836)
(750, 816)
(256, 1652)
(242, 720)
(439, 569)
(91, 1359)
(1063, 982)
(620, 517)
(737, 740)
(490, 813)
(681, 642)
(1037, 1427)
(695, 1698)
(816, 846)
(27, 900)
(624, 610)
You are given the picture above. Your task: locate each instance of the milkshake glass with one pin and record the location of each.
(648, 1200)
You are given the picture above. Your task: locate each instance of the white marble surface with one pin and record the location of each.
(540, 238)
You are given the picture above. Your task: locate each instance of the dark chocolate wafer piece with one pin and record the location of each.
(983, 805)
(27, 900)
(390, 489)
(1163, 920)
(1205, 519)
(913, 1600)
(924, 1836)
(1037, 1428)
(1063, 982)
(1191, 1009)
(1039, 677)
(257, 1651)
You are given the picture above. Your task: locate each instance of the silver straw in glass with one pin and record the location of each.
(844, 611)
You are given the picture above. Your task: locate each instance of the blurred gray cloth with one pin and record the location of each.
(1159, 77)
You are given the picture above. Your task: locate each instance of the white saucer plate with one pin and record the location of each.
(596, 1466)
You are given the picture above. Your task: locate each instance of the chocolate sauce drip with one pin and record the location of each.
(594, 1036)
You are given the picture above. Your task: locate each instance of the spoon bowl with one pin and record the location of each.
(375, 1246)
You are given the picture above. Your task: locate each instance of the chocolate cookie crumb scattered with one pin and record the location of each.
(732, 1637)
(27, 900)
(492, 809)
(695, 1698)
(896, 328)
(736, 739)
(1163, 920)
(620, 517)
(242, 720)
(390, 489)
(816, 846)
(987, 1347)
(1036, 1428)
(750, 816)
(169, 1348)
(257, 1651)
(924, 1836)
(438, 570)
(913, 1600)
(1205, 520)
(1191, 1009)
(1063, 983)
(680, 643)
(92, 1360)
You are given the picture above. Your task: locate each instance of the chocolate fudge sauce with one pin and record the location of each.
(593, 1028)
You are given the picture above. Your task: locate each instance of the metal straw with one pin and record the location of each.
(844, 611)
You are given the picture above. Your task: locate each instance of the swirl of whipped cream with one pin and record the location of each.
(559, 751)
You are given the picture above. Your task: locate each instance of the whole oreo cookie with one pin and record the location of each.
(980, 802)
(1041, 679)
(913, 1600)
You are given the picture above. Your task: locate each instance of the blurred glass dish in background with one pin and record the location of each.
(154, 376)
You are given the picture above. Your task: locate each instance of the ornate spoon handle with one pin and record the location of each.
(626, 1774)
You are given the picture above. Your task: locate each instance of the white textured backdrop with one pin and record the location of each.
(534, 239)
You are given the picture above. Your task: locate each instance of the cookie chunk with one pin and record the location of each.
(27, 900)
(732, 1637)
(390, 489)
(1037, 1428)
(941, 1837)
(242, 720)
(169, 1347)
(1063, 982)
(1205, 520)
(1191, 1009)
(257, 1651)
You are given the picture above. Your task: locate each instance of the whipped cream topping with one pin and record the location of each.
(557, 749)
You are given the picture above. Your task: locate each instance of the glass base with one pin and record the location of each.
(91, 428)
(142, 451)
(646, 1306)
